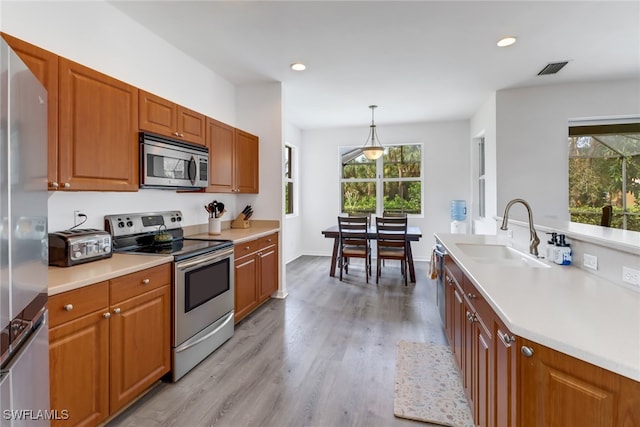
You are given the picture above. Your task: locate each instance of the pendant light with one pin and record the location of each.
(372, 148)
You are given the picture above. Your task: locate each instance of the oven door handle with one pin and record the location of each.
(183, 265)
(187, 345)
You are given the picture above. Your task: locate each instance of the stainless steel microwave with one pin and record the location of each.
(170, 164)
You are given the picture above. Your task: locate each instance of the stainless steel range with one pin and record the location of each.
(203, 281)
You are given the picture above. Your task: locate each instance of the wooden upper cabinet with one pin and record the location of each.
(233, 159)
(221, 143)
(246, 162)
(163, 117)
(98, 134)
(44, 65)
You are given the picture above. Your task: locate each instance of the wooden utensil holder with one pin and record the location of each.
(240, 222)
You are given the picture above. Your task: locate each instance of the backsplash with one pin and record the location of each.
(96, 205)
(610, 259)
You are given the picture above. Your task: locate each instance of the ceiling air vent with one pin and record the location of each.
(552, 68)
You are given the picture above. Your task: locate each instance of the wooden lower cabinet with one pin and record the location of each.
(108, 342)
(256, 273)
(559, 390)
(513, 382)
(79, 355)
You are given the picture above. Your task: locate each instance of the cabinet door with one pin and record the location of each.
(220, 141)
(268, 282)
(560, 390)
(98, 138)
(449, 324)
(504, 376)
(79, 370)
(246, 294)
(458, 323)
(157, 115)
(44, 65)
(482, 370)
(140, 344)
(191, 125)
(246, 162)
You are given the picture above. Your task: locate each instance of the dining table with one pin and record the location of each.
(413, 235)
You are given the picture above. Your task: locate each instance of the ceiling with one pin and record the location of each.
(417, 60)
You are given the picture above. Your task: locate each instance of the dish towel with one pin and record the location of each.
(433, 265)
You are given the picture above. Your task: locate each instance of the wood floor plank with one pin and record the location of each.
(324, 356)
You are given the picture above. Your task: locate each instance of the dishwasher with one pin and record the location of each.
(440, 253)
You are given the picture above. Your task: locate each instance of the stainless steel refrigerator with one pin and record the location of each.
(24, 338)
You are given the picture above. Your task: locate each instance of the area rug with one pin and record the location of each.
(428, 387)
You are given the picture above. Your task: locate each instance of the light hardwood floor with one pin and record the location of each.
(324, 356)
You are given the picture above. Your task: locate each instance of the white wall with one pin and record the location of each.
(446, 171)
(97, 35)
(531, 134)
(483, 124)
(292, 227)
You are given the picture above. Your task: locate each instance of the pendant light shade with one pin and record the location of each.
(372, 148)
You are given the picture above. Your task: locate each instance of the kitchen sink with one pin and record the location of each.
(500, 255)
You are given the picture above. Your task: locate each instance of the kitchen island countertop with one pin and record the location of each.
(561, 307)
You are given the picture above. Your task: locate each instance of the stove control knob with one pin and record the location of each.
(129, 223)
(173, 219)
(179, 218)
(77, 254)
(120, 224)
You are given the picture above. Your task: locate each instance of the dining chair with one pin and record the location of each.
(353, 243)
(391, 241)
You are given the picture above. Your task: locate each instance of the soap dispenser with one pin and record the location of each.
(552, 246)
(563, 254)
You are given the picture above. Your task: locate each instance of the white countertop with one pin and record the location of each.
(561, 307)
(62, 279)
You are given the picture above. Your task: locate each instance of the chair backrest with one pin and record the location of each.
(607, 213)
(391, 231)
(360, 214)
(353, 230)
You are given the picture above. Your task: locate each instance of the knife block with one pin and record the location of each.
(240, 222)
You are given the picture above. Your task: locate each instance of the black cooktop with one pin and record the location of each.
(180, 249)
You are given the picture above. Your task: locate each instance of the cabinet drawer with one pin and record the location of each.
(266, 241)
(137, 283)
(79, 302)
(245, 248)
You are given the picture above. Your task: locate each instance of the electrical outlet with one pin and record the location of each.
(77, 218)
(631, 276)
(590, 261)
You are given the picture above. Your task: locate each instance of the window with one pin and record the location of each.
(289, 180)
(604, 169)
(392, 183)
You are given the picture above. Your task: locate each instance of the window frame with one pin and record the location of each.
(290, 179)
(379, 180)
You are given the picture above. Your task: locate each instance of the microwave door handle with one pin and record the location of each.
(192, 170)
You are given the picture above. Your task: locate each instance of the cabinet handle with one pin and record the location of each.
(55, 184)
(527, 351)
(246, 248)
(146, 281)
(66, 185)
(450, 280)
(471, 296)
(68, 307)
(176, 134)
(181, 135)
(106, 315)
(506, 338)
(269, 240)
(116, 310)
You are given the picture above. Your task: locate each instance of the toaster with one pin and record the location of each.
(73, 247)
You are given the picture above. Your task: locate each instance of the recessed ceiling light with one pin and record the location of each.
(506, 41)
(298, 66)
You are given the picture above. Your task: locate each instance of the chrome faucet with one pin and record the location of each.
(533, 236)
